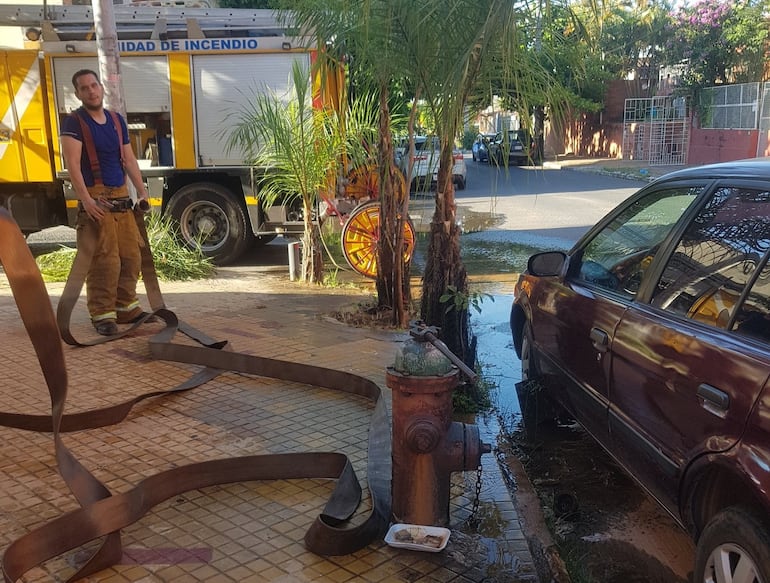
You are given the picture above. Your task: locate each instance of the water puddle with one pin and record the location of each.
(499, 362)
(421, 211)
(473, 221)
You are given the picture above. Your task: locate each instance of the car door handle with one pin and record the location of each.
(600, 339)
(713, 398)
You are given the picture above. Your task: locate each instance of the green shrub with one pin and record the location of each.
(469, 136)
(174, 261)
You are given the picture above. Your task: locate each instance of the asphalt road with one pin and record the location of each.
(529, 204)
(542, 204)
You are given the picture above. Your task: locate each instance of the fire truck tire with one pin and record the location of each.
(210, 217)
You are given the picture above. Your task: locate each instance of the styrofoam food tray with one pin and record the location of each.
(418, 531)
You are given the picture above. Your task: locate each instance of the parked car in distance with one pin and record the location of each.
(427, 151)
(653, 332)
(480, 147)
(515, 146)
(400, 146)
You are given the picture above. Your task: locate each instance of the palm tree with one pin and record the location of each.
(368, 31)
(462, 45)
(448, 50)
(300, 147)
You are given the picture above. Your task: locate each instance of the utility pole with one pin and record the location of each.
(109, 63)
(109, 57)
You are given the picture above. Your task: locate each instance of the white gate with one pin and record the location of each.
(656, 130)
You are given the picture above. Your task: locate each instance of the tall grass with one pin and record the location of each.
(173, 260)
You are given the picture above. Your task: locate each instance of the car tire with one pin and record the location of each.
(529, 368)
(537, 408)
(473, 155)
(734, 538)
(460, 183)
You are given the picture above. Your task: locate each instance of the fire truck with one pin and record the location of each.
(185, 72)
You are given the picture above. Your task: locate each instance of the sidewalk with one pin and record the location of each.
(632, 169)
(245, 531)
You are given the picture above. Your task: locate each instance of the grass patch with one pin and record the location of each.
(56, 266)
(173, 260)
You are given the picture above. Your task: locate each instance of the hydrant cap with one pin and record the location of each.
(421, 359)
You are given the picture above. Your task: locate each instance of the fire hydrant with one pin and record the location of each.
(427, 445)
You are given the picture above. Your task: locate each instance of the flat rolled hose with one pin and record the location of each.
(102, 514)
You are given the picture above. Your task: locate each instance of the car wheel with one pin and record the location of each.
(460, 183)
(529, 369)
(473, 155)
(733, 547)
(537, 408)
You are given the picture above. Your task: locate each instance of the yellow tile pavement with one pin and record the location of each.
(239, 532)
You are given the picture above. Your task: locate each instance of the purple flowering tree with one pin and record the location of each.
(721, 41)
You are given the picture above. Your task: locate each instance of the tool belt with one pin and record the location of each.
(114, 199)
(120, 205)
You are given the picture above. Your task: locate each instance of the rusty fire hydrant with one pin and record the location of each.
(427, 445)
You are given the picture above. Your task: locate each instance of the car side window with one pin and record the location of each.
(618, 256)
(753, 317)
(717, 257)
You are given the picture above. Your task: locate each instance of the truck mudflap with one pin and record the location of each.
(103, 513)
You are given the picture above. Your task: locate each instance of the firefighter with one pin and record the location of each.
(98, 156)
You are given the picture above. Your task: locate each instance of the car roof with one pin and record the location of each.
(748, 168)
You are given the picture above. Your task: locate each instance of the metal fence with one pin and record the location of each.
(730, 107)
(656, 129)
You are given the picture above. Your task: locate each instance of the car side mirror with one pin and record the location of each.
(547, 264)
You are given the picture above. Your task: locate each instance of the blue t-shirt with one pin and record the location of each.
(107, 148)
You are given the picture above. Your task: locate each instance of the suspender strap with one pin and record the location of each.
(88, 143)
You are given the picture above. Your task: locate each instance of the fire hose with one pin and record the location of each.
(101, 513)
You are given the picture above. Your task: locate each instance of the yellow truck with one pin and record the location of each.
(184, 73)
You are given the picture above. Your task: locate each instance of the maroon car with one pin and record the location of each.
(654, 333)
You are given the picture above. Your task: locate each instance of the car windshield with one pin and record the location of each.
(517, 136)
(628, 243)
(426, 144)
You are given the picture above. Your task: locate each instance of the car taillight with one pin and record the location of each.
(420, 157)
(457, 156)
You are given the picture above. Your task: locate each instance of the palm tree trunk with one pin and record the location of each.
(392, 271)
(444, 268)
(312, 258)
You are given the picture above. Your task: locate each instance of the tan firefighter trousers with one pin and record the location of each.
(114, 271)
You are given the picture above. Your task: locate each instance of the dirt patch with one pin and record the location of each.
(365, 314)
(606, 529)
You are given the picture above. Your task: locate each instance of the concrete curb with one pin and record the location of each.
(545, 554)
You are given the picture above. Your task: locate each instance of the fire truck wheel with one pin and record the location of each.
(210, 217)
